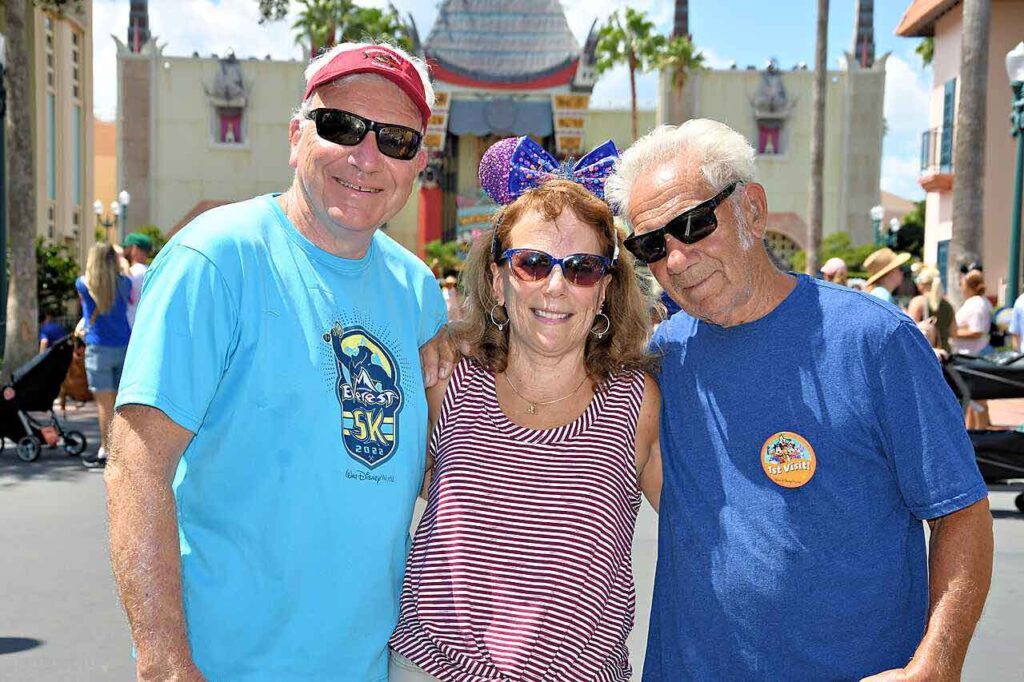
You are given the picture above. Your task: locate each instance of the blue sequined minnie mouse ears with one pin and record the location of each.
(516, 164)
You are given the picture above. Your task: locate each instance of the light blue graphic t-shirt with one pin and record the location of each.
(298, 372)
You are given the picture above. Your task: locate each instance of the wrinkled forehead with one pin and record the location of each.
(565, 232)
(665, 190)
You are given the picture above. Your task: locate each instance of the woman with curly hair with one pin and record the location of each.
(541, 442)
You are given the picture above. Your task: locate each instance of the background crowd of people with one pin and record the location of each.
(109, 291)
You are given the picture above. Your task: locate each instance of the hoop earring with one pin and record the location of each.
(499, 325)
(607, 326)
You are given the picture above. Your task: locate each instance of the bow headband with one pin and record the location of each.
(517, 164)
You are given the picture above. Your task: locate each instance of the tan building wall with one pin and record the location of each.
(853, 140)
(180, 162)
(104, 162)
(62, 92)
(616, 125)
(1007, 29)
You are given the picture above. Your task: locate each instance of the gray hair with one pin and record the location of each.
(722, 155)
(314, 67)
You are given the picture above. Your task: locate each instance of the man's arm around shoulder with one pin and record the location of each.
(144, 549)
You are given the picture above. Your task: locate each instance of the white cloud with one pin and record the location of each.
(899, 176)
(907, 96)
(906, 108)
(581, 14)
(612, 90)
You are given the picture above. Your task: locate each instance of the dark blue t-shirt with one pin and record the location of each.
(111, 328)
(52, 332)
(801, 452)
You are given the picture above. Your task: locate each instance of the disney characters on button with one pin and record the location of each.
(788, 459)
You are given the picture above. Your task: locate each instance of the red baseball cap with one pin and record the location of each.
(378, 59)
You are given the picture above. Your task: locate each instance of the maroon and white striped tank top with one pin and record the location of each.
(521, 568)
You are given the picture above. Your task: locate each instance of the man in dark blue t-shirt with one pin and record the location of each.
(50, 331)
(807, 434)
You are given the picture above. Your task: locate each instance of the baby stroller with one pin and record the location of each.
(33, 388)
(1000, 454)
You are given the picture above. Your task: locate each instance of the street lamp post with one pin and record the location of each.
(124, 198)
(106, 221)
(877, 213)
(894, 233)
(117, 216)
(1015, 70)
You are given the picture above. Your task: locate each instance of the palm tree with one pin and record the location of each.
(630, 41)
(372, 24)
(681, 58)
(969, 150)
(325, 23)
(317, 22)
(816, 193)
(22, 303)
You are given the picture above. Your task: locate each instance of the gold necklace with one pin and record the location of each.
(532, 407)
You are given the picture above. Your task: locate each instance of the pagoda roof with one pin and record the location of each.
(502, 44)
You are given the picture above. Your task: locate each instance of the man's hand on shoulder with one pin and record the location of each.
(437, 357)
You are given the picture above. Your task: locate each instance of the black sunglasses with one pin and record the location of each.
(581, 269)
(347, 129)
(689, 227)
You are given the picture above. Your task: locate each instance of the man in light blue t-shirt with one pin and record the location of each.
(806, 435)
(271, 427)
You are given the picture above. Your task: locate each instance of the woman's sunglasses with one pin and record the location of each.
(347, 129)
(689, 227)
(581, 269)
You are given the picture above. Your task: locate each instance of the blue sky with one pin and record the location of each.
(725, 30)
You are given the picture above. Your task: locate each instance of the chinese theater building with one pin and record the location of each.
(500, 69)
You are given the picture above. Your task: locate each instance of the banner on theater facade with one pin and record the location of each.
(570, 114)
(437, 126)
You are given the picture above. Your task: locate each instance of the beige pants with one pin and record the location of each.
(401, 669)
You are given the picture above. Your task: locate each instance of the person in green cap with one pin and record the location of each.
(138, 247)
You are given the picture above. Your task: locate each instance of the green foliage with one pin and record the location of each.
(322, 24)
(57, 271)
(910, 238)
(838, 245)
(926, 50)
(272, 10)
(443, 257)
(628, 40)
(681, 57)
(155, 235)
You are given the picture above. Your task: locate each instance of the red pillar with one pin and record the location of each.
(430, 216)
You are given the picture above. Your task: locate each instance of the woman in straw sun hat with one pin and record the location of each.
(885, 273)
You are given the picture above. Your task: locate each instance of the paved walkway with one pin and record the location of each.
(60, 618)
